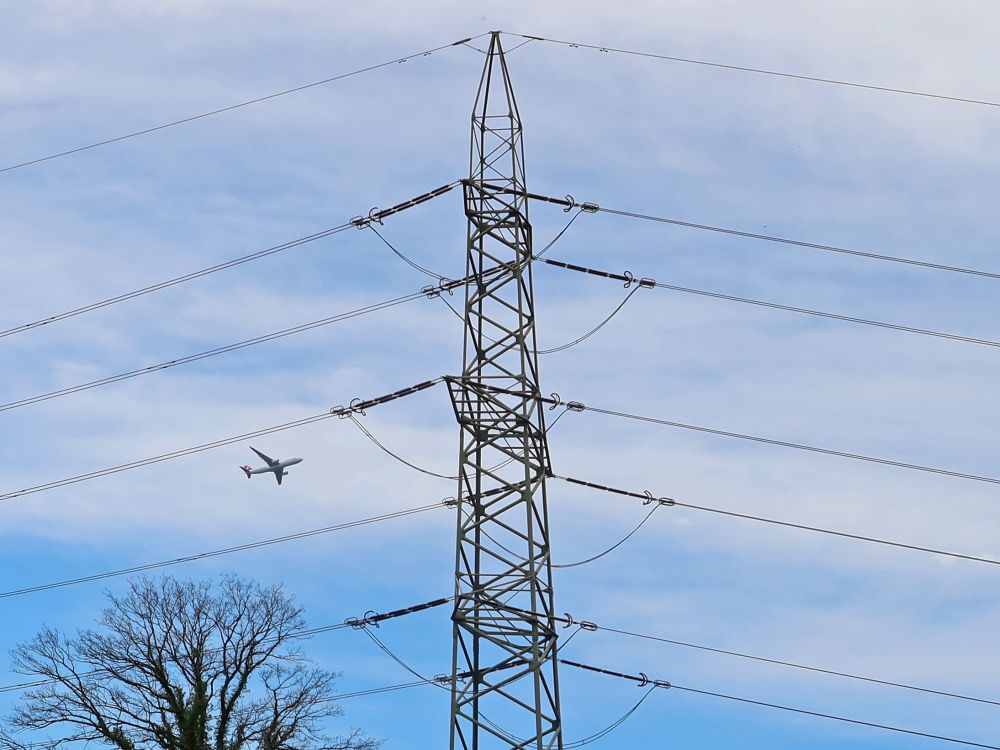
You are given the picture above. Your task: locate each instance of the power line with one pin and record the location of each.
(381, 446)
(569, 344)
(614, 546)
(594, 627)
(372, 618)
(590, 626)
(601, 734)
(212, 352)
(578, 406)
(218, 552)
(162, 457)
(424, 470)
(808, 245)
(643, 680)
(834, 316)
(560, 233)
(409, 261)
(335, 412)
(796, 446)
(648, 497)
(229, 108)
(440, 681)
(661, 501)
(592, 331)
(762, 71)
(358, 222)
(805, 667)
(396, 658)
(669, 501)
(441, 277)
(340, 317)
(378, 690)
(590, 207)
(775, 305)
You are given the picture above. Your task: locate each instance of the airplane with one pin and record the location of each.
(274, 466)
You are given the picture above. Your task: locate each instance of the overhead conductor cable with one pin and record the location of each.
(627, 276)
(578, 406)
(648, 497)
(248, 102)
(591, 207)
(219, 552)
(642, 680)
(429, 291)
(760, 71)
(358, 222)
(338, 411)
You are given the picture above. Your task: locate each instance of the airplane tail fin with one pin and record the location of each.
(246, 470)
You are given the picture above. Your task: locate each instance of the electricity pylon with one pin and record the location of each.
(505, 689)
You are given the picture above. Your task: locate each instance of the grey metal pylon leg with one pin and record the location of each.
(505, 690)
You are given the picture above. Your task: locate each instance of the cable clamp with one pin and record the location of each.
(340, 412)
(461, 41)
(354, 622)
(360, 222)
(590, 208)
(590, 626)
(450, 502)
(662, 684)
(431, 292)
(661, 500)
(576, 406)
(441, 679)
(647, 283)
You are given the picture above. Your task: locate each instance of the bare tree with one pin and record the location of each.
(180, 665)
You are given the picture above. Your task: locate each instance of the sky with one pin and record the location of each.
(862, 169)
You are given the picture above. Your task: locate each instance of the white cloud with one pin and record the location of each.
(859, 168)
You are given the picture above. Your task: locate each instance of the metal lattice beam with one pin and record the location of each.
(505, 690)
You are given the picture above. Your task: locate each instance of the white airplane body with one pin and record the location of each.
(274, 466)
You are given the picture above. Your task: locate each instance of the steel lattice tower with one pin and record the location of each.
(505, 691)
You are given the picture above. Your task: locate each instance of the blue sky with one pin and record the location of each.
(862, 169)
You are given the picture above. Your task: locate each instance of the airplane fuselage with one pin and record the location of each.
(278, 467)
(274, 466)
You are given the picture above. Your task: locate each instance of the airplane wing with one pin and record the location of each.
(269, 461)
(278, 475)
